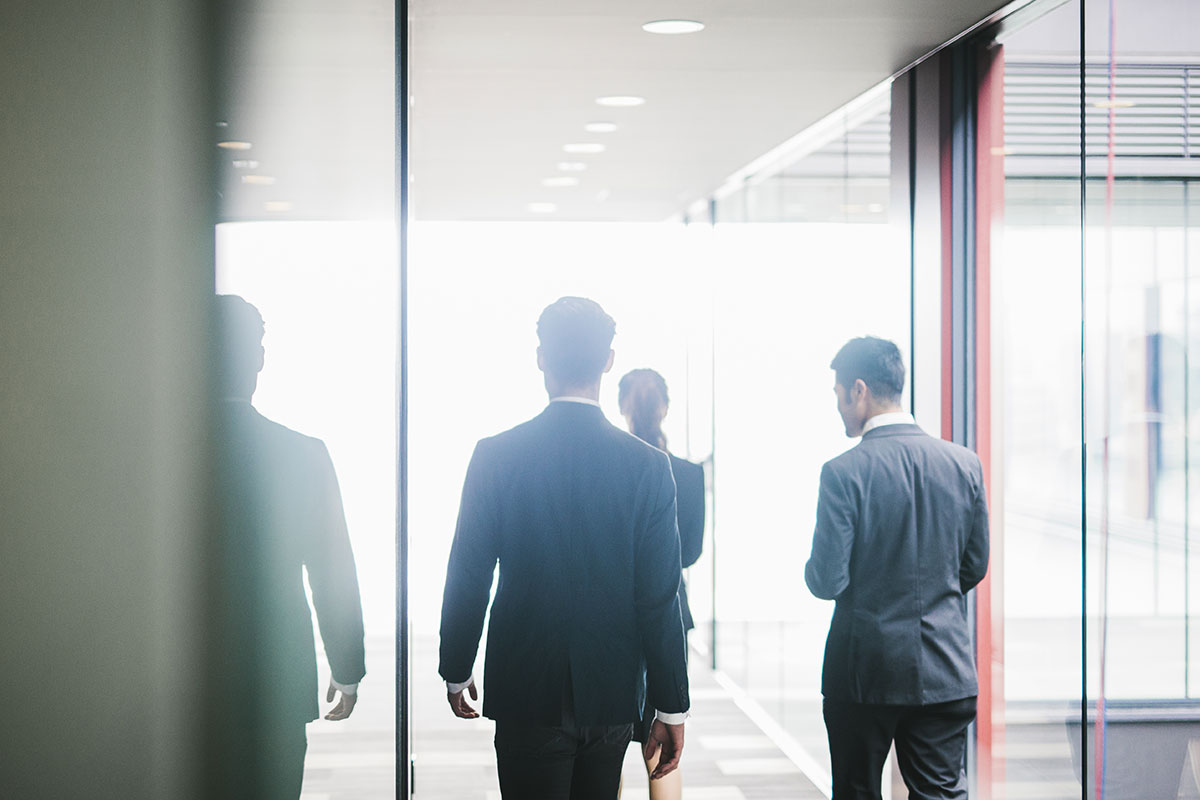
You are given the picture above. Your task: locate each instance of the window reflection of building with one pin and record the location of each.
(1137, 248)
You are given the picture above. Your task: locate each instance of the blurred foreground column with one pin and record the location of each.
(106, 272)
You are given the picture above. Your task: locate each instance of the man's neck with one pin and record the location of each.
(591, 393)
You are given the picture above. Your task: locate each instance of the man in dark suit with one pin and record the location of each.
(282, 516)
(901, 537)
(585, 627)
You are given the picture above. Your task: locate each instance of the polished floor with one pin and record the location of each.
(728, 755)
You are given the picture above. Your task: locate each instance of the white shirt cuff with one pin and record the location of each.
(345, 688)
(455, 688)
(671, 719)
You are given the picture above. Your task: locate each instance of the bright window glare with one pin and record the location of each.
(776, 301)
(328, 294)
(476, 292)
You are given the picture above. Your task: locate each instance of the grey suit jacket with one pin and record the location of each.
(901, 537)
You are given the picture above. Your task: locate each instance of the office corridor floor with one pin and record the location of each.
(727, 756)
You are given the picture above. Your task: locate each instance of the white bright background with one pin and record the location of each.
(783, 297)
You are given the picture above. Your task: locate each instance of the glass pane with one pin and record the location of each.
(305, 147)
(1036, 477)
(1140, 129)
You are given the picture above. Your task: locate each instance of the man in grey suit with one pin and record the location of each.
(901, 537)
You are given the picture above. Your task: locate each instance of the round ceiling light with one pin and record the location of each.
(572, 166)
(561, 180)
(600, 127)
(673, 26)
(584, 148)
(277, 205)
(234, 145)
(543, 208)
(620, 100)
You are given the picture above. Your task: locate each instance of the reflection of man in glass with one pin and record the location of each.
(283, 516)
(901, 537)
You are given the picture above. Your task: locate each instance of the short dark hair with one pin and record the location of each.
(241, 335)
(876, 362)
(575, 335)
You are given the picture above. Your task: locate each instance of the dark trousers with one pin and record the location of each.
(264, 762)
(931, 747)
(560, 763)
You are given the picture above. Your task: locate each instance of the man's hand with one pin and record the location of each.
(669, 740)
(344, 706)
(460, 706)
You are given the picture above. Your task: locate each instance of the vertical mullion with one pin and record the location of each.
(1083, 714)
(405, 772)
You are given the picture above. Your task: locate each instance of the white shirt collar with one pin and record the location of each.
(890, 418)
(566, 398)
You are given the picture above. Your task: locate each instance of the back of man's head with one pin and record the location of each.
(877, 362)
(575, 337)
(241, 354)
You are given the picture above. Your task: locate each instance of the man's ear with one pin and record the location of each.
(608, 365)
(541, 360)
(860, 389)
(262, 359)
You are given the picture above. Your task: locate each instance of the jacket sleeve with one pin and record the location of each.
(656, 600)
(333, 578)
(974, 564)
(469, 573)
(828, 570)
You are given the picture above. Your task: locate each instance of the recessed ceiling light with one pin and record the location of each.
(1114, 104)
(583, 147)
(562, 180)
(222, 123)
(235, 145)
(600, 127)
(620, 100)
(245, 163)
(572, 166)
(673, 26)
(277, 205)
(543, 208)
(258, 180)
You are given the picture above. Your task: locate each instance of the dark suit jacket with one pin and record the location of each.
(901, 537)
(689, 502)
(581, 517)
(284, 516)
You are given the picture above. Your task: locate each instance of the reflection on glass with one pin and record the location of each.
(1141, 66)
(1135, 413)
(1037, 490)
(305, 147)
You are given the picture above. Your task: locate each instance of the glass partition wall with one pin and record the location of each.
(1068, 345)
(1093, 402)
(305, 144)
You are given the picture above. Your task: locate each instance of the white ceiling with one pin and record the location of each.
(498, 87)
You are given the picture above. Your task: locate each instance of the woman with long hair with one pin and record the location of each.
(642, 395)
